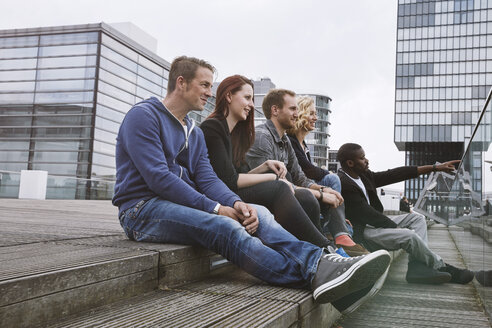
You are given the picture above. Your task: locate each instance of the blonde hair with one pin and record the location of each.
(304, 104)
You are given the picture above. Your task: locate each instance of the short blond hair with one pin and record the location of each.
(304, 104)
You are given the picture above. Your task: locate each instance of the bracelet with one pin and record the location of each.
(434, 169)
(278, 177)
(320, 195)
(216, 208)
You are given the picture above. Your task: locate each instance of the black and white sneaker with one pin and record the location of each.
(338, 276)
(351, 302)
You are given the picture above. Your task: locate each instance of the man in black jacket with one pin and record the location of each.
(375, 230)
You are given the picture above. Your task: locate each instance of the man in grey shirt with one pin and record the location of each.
(271, 142)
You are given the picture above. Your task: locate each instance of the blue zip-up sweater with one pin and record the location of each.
(154, 157)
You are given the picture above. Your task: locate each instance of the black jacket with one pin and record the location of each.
(357, 210)
(218, 140)
(312, 171)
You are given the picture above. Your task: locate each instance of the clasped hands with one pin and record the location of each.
(242, 213)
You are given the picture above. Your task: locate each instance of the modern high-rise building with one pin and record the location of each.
(333, 164)
(317, 140)
(261, 86)
(65, 90)
(443, 74)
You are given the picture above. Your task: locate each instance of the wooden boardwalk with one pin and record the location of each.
(68, 263)
(400, 304)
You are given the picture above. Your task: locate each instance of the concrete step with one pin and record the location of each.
(235, 300)
(58, 258)
(46, 281)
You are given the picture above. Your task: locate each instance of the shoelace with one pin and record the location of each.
(337, 258)
(331, 250)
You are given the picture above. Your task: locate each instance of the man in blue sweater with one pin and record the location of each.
(167, 191)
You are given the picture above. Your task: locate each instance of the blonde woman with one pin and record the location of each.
(306, 122)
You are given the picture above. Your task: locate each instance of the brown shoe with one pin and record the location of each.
(356, 250)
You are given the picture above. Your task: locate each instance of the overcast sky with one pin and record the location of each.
(344, 49)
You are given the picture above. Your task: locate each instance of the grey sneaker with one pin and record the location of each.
(338, 276)
(351, 302)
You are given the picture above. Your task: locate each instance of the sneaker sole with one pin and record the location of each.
(374, 290)
(361, 274)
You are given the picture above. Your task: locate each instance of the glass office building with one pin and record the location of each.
(63, 94)
(317, 140)
(261, 86)
(333, 164)
(443, 74)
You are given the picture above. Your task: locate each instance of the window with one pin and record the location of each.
(69, 38)
(18, 64)
(82, 49)
(18, 52)
(66, 73)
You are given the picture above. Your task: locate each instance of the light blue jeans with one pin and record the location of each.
(272, 254)
(332, 181)
(410, 235)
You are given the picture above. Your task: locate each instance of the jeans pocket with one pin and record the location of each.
(132, 212)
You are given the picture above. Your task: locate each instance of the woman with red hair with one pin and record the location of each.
(229, 133)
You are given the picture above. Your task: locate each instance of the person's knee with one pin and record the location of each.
(305, 197)
(418, 221)
(226, 226)
(408, 238)
(332, 181)
(263, 213)
(309, 203)
(281, 188)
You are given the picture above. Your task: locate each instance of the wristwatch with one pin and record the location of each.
(216, 208)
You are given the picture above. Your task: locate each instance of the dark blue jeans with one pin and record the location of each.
(272, 254)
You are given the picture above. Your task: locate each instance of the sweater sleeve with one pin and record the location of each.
(218, 152)
(395, 175)
(310, 170)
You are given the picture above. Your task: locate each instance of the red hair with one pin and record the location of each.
(243, 134)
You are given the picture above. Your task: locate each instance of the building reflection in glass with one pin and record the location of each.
(463, 201)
